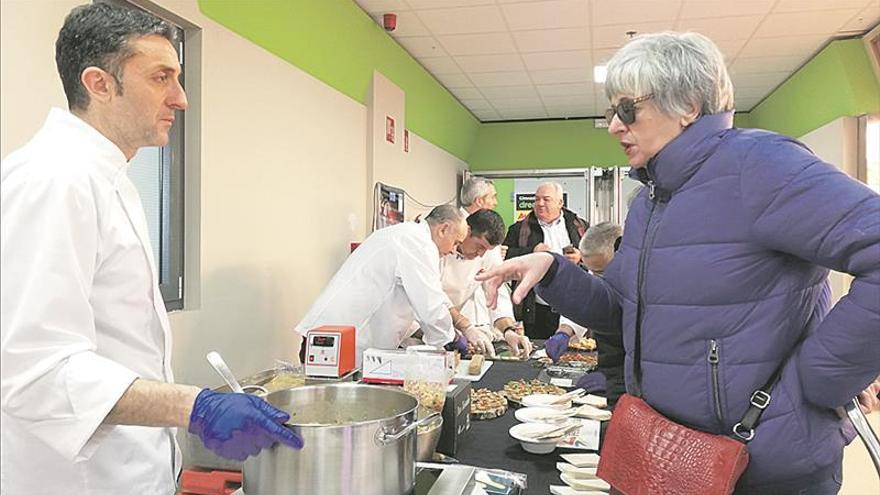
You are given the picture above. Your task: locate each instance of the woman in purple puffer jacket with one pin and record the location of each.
(723, 268)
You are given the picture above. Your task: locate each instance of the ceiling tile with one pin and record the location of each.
(559, 76)
(558, 60)
(546, 40)
(755, 65)
(510, 92)
(408, 24)
(746, 104)
(767, 80)
(806, 5)
(547, 15)
(722, 28)
(798, 23)
(698, 9)
(864, 20)
(730, 48)
(500, 103)
(476, 103)
(742, 93)
(603, 55)
(783, 46)
(489, 63)
(615, 36)
(439, 4)
(493, 79)
(572, 111)
(483, 19)
(561, 101)
(466, 93)
(382, 6)
(610, 12)
(523, 113)
(452, 81)
(478, 44)
(565, 89)
(422, 46)
(486, 115)
(440, 65)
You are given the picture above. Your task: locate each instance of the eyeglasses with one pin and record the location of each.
(625, 109)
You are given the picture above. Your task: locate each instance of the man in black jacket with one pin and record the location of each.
(549, 227)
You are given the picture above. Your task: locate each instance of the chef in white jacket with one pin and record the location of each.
(86, 353)
(480, 251)
(391, 279)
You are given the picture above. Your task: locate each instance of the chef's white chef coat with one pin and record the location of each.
(466, 294)
(82, 319)
(390, 280)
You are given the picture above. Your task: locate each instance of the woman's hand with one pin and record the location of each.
(528, 269)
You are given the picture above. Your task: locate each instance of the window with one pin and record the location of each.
(157, 173)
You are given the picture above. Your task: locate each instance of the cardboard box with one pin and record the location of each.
(456, 417)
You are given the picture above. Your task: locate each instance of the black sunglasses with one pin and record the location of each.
(625, 109)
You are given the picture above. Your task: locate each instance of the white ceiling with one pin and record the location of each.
(533, 59)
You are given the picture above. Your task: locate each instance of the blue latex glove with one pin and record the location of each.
(556, 345)
(592, 382)
(460, 344)
(236, 426)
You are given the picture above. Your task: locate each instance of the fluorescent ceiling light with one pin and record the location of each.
(599, 72)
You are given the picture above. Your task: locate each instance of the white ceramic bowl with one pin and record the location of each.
(524, 432)
(544, 400)
(540, 414)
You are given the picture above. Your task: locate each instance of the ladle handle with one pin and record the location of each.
(219, 365)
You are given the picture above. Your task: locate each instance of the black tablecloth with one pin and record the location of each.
(489, 445)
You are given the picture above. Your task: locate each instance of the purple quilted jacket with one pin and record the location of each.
(725, 256)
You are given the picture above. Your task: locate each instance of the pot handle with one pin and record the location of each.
(384, 436)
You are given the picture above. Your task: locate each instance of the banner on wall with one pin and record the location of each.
(525, 202)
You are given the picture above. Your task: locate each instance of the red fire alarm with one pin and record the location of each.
(389, 22)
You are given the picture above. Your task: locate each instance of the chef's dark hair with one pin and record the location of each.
(98, 35)
(488, 224)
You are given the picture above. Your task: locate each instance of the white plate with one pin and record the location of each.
(540, 415)
(576, 472)
(592, 400)
(462, 371)
(581, 460)
(544, 400)
(567, 490)
(580, 484)
(524, 432)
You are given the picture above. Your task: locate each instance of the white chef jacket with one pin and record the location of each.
(82, 319)
(466, 294)
(390, 280)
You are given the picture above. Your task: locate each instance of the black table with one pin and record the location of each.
(489, 445)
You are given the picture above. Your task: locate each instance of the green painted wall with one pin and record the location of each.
(835, 83)
(547, 144)
(338, 43)
(504, 188)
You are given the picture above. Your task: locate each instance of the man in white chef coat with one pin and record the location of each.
(88, 403)
(391, 279)
(481, 250)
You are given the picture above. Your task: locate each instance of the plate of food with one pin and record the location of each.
(486, 404)
(517, 389)
(582, 344)
(579, 360)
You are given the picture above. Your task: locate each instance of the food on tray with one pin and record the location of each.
(582, 344)
(284, 381)
(431, 395)
(476, 364)
(517, 389)
(578, 357)
(486, 404)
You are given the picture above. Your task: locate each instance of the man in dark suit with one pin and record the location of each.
(549, 227)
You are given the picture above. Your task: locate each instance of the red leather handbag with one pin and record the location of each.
(645, 453)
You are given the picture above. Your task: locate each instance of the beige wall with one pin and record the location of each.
(280, 190)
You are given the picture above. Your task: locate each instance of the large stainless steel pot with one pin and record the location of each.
(359, 439)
